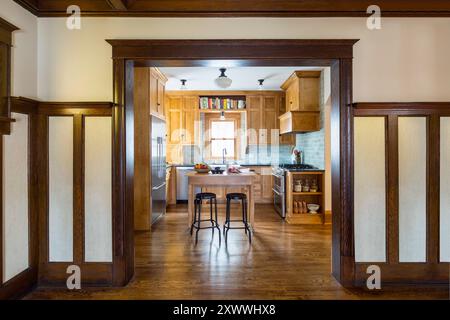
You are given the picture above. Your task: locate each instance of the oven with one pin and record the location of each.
(279, 199)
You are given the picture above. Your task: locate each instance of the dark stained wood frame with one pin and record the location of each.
(248, 8)
(337, 54)
(433, 271)
(41, 271)
(54, 273)
(6, 30)
(26, 280)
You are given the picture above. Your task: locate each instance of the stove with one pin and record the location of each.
(297, 167)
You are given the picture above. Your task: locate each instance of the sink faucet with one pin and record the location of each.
(224, 153)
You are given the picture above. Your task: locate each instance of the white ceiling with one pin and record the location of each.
(244, 78)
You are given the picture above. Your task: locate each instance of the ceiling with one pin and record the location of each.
(244, 78)
(235, 8)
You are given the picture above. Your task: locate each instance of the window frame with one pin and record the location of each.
(215, 117)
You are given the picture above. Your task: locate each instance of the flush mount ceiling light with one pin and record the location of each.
(223, 81)
(261, 84)
(183, 84)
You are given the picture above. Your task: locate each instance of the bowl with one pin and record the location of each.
(217, 170)
(206, 170)
(313, 208)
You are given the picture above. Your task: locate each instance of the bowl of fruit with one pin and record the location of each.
(202, 168)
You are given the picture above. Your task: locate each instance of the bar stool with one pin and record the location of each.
(227, 226)
(199, 197)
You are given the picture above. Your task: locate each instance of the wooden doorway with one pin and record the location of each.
(337, 54)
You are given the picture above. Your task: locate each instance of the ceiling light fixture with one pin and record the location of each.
(223, 81)
(261, 84)
(183, 84)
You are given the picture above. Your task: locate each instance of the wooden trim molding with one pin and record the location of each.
(235, 8)
(6, 30)
(393, 271)
(40, 271)
(26, 280)
(54, 273)
(335, 53)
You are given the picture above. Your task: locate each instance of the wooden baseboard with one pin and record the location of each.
(20, 285)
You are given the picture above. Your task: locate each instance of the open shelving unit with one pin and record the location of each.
(318, 197)
(222, 103)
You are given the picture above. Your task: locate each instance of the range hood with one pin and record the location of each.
(299, 121)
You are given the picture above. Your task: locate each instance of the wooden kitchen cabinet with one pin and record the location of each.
(302, 112)
(303, 91)
(150, 88)
(171, 188)
(262, 117)
(182, 118)
(174, 111)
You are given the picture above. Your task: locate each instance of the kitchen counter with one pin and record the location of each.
(202, 180)
(216, 165)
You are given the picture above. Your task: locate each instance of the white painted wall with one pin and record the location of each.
(407, 60)
(60, 177)
(24, 51)
(98, 189)
(370, 189)
(412, 159)
(15, 198)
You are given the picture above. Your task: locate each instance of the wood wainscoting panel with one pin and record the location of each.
(98, 189)
(370, 189)
(61, 188)
(412, 159)
(15, 198)
(444, 190)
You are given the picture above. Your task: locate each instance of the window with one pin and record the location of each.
(222, 137)
(222, 134)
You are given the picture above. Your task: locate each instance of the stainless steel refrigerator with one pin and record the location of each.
(158, 164)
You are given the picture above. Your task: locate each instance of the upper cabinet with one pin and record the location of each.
(150, 90)
(262, 116)
(6, 30)
(303, 91)
(302, 102)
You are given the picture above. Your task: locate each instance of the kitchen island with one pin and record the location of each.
(225, 180)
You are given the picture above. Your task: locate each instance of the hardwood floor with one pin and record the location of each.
(284, 262)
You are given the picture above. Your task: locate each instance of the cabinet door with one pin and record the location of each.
(285, 139)
(270, 118)
(174, 121)
(267, 184)
(309, 94)
(153, 94)
(254, 118)
(160, 97)
(190, 112)
(292, 96)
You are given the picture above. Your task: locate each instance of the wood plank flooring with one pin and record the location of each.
(284, 262)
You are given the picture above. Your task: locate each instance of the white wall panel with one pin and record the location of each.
(370, 189)
(61, 189)
(98, 184)
(445, 191)
(412, 139)
(15, 198)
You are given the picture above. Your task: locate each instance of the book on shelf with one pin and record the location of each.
(217, 103)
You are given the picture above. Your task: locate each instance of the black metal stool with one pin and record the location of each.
(227, 225)
(197, 214)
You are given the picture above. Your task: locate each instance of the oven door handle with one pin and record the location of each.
(276, 191)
